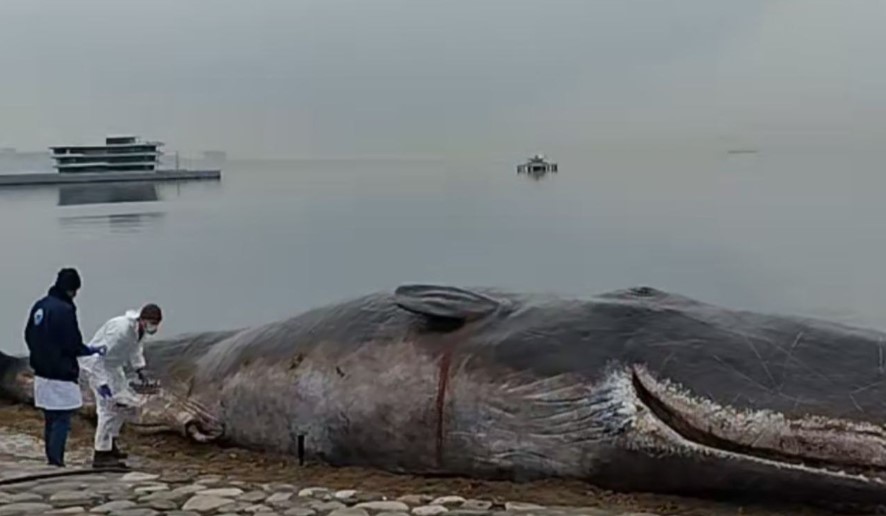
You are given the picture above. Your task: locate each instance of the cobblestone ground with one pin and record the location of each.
(173, 477)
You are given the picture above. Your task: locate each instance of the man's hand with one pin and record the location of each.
(105, 392)
(98, 350)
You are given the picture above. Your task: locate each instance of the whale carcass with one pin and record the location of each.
(636, 389)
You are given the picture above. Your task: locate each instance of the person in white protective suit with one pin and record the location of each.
(115, 400)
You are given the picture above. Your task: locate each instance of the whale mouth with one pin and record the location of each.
(186, 418)
(819, 445)
(149, 427)
(204, 431)
(194, 429)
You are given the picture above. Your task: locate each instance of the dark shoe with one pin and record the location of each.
(106, 459)
(117, 452)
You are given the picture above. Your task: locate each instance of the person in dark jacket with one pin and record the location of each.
(54, 341)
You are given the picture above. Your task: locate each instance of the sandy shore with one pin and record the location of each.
(165, 454)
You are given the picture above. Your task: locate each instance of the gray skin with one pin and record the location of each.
(633, 390)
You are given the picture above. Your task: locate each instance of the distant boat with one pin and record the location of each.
(537, 164)
(742, 151)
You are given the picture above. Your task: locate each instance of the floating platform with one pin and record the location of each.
(68, 178)
(536, 165)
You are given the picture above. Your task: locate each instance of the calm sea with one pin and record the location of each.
(789, 232)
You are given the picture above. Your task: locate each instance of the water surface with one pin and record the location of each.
(798, 233)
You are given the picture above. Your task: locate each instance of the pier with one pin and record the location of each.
(53, 178)
(120, 159)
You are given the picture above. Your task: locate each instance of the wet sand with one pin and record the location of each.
(166, 453)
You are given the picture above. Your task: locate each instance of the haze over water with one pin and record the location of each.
(402, 123)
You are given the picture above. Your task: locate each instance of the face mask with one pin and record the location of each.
(150, 328)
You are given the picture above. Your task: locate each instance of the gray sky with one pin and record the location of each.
(299, 78)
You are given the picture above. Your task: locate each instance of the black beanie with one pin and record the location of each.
(68, 280)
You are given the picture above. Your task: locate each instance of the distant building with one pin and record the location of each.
(119, 153)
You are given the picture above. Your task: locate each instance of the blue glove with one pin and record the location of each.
(105, 392)
(98, 350)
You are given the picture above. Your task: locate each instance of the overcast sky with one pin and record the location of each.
(325, 78)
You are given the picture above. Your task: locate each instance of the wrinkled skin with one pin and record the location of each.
(631, 390)
(164, 410)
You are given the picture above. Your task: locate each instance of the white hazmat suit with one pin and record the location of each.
(124, 348)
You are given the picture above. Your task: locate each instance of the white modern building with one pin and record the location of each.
(118, 154)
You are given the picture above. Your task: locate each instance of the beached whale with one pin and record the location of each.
(636, 389)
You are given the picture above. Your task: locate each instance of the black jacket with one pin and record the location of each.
(53, 337)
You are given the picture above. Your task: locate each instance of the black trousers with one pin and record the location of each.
(57, 426)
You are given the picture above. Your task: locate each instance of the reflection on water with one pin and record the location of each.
(116, 222)
(97, 206)
(536, 175)
(70, 195)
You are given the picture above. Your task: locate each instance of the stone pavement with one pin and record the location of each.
(143, 494)
(174, 493)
